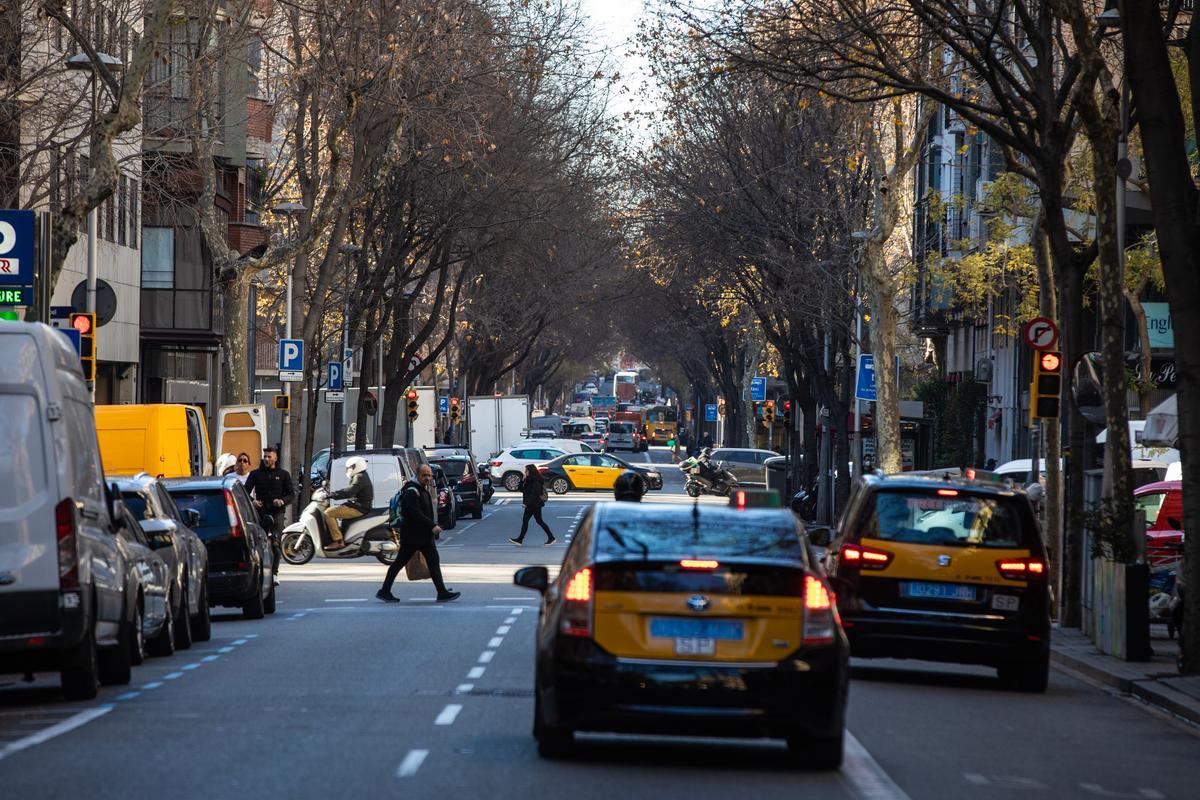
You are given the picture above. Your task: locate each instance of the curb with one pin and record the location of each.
(1148, 689)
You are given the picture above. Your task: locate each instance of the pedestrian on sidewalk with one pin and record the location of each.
(533, 496)
(418, 532)
(271, 487)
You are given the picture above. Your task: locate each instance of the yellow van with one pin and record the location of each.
(165, 439)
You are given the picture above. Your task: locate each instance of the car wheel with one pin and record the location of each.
(80, 671)
(297, 549)
(1027, 676)
(137, 635)
(116, 663)
(453, 521)
(253, 609)
(478, 513)
(512, 481)
(183, 623)
(164, 643)
(269, 603)
(202, 622)
(560, 486)
(817, 752)
(693, 490)
(552, 741)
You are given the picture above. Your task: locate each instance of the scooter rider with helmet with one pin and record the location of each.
(359, 496)
(629, 486)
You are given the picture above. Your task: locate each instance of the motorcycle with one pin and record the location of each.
(485, 483)
(702, 476)
(368, 535)
(804, 503)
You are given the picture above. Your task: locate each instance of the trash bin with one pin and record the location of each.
(777, 469)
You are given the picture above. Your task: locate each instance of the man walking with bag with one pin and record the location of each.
(418, 530)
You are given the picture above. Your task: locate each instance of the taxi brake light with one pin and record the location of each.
(948, 492)
(820, 613)
(970, 473)
(580, 587)
(816, 596)
(698, 563)
(577, 611)
(865, 557)
(741, 499)
(1020, 568)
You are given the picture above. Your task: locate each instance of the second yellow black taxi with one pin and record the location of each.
(593, 471)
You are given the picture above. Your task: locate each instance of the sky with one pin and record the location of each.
(615, 23)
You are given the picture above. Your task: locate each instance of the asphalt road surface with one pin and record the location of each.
(337, 695)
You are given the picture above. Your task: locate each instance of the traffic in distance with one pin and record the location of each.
(687, 615)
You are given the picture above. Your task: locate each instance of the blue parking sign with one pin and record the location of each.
(291, 354)
(335, 376)
(443, 405)
(16, 247)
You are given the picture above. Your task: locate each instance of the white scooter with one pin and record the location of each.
(369, 535)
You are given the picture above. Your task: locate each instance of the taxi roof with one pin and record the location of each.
(934, 482)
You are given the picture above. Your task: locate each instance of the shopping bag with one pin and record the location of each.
(416, 569)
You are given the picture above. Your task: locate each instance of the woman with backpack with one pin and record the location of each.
(533, 497)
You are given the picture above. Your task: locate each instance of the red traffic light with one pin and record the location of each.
(454, 402)
(412, 394)
(83, 323)
(1051, 362)
(787, 405)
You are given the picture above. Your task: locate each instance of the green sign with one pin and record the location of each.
(11, 316)
(16, 295)
(1158, 324)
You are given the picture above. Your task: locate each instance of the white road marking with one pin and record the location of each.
(411, 763)
(46, 734)
(867, 779)
(476, 673)
(448, 715)
(210, 659)
(224, 649)
(129, 695)
(486, 656)
(153, 685)
(496, 641)
(344, 600)
(519, 609)
(191, 666)
(464, 688)
(239, 641)
(522, 597)
(510, 620)
(172, 676)
(503, 630)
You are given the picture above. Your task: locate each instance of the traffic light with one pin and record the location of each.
(283, 402)
(85, 323)
(455, 410)
(1045, 397)
(721, 407)
(769, 413)
(411, 396)
(787, 414)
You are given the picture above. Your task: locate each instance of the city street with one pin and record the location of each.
(338, 695)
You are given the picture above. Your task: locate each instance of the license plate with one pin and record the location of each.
(684, 628)
(695, 646)
(936, 591)
(1006, 602)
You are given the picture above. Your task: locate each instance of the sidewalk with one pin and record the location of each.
(1156, 681)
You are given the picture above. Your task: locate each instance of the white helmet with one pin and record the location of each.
(355, 465)
(225, 462)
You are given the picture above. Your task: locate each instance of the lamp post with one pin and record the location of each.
(337, 417)
(289, 210)
(82, 61)
(860, 237)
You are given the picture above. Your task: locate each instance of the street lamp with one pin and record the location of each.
(862, 237)
(80, 62)
(349, 250)
(289, 209)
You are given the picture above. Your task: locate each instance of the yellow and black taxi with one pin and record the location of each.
(944, 570)
(593, 471)
(688, 619)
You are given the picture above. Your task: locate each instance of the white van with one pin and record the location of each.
(62, 573)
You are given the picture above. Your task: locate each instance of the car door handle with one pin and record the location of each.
(89, 513)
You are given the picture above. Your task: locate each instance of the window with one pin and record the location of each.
(158, 258)
(122, 209)
(546, 455)
(925, 518)
(23, 453)
(658, 532)
(1148, 505)
(110, 218)
(133, 213)
(577, 461)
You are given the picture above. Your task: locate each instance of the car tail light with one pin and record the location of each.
(577, 610)
(235, 523)
(467, 478)
(442, 498)
(948, 492)
(864, 557)
(820, 613)
(698, 563)
(1020, 569)
(496, 463)
(68, 544)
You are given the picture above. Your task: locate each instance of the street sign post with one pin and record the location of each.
(16, 247)
(1040, 333)
(758, 389)
(710, 412)
(348, 366)
(335, 397)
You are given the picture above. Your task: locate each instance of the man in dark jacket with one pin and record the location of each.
(271, 487)
(359, 496)
(418, 530)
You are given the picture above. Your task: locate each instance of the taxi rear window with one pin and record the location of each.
(926, 517)
(722, 535)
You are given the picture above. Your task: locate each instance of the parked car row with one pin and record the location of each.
(97, 573)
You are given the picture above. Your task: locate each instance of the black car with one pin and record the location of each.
(447, 503)
(239, 550)
(691, 620)
(462, 475)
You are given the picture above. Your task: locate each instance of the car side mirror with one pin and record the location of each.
(1175, 523)
(116, 513)
(192, 517)
(820, 535)
(536, 578)
(160, 533)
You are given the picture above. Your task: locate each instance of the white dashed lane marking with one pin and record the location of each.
(448, 715)
(496, 641)
(411, 763)
(486, 656)
(476, 673)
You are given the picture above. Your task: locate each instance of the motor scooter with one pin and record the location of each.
(703, 476)
(368, 535)
(486, 489)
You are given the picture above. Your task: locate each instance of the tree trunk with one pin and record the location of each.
(235, 347)
(1134, 298)
(884, 319)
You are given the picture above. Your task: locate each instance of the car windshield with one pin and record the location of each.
(926, 517)
(621, 427)
(136, 504)
(453, 469)
(214, 516)
(714, 535)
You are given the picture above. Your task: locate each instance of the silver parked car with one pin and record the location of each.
(187, 559)
(747, 464)
(148, 587)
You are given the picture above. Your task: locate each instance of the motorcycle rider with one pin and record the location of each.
(359, 496)
(629, 486)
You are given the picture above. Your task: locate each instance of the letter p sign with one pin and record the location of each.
(291, 354)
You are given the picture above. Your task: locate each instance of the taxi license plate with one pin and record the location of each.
(695, 646)
(936, 591)
(683, 628)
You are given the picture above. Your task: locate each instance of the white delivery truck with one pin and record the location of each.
(424, 427)
(496, 422)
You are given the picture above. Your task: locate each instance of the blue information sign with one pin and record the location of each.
(758, 389)
(16, 247)
(16, 295)
(73, 335)
(335, 376)
(864, 388)
(291, 354)
(710, 412)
